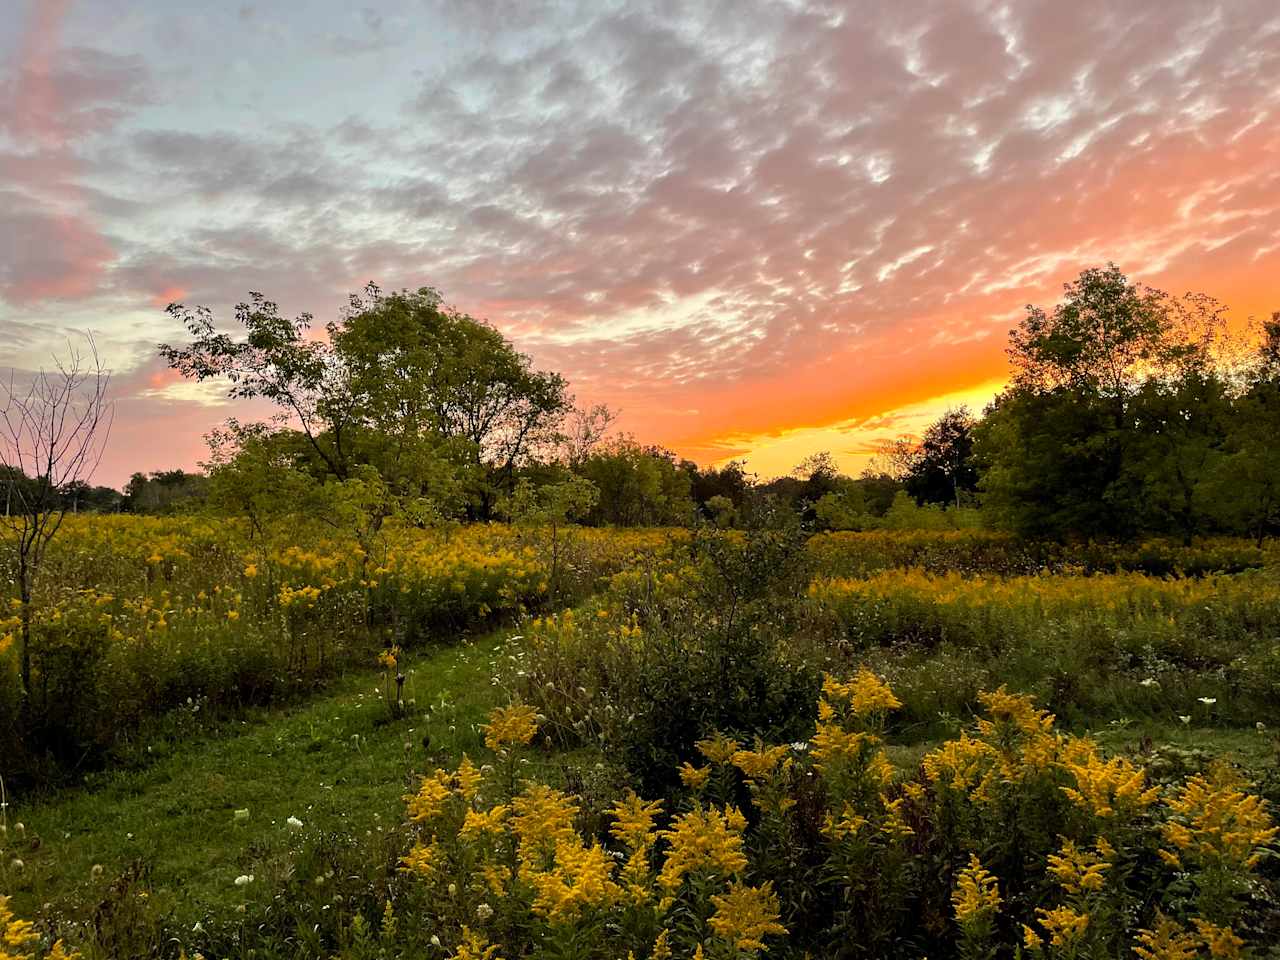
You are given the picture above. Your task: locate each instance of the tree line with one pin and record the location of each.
(1129, 412)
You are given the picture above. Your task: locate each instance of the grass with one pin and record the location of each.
(339, 763)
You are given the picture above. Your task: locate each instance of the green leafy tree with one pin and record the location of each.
(400, 384)
(164, 491)
(1070, 447)
(551, 507)
(941, 467)
(639, 485)
(416, 368)
(1246, 485)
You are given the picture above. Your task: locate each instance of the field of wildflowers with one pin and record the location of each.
(137, 616)
(718, 745)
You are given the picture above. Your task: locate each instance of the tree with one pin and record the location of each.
(550, 507)
(403, 384)
(274, 361)
(1245, 490)
(1087, 428)
(730, 482)
(418, 369)
(164, 491)
(587, 428)
(639, 485)
(53, 429)
(942, 467)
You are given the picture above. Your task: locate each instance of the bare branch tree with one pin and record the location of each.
(587, 426)
(53, 430)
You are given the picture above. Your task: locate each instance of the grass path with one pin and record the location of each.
(338, 763)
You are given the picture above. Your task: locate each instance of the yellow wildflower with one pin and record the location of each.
(516, 724)
(894, 826)
(976, 897)
(1110, 787)
(746, 915)
(1065, 926)
(1078, 871)
(848, 824)
(701, 840)
(1221, 941)
(868, 694)
(1168, 941)
(833, 744)
(959, 764)
(473, 946)
(432, 795)
(580, 878)
(468, 778)
(661, 948)
(695, 778)
(633, 821)
(1217, 823)
(718, 748)
(542, 818)
(15, 934)
(479, 823)
(762, 762)
(1012, 712)
(1030, 939)
(422, 859)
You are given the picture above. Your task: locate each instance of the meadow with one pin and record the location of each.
(486, 741)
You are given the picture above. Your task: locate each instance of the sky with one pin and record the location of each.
(758, 228)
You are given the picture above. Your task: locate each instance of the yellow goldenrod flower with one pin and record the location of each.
(1079, 871)
(959, 764)
(695, 778)
(422, 859)
(478, 823)
(746, 915)
(474, 946)
(633, 821)
(976, 897)
(15, 934)
(1218, 824)
(1031, 940)
(1106, 788)
(430, 799)
(703, 841)
(516, 724)
(580, 879)
(468, 778)
(1220, 941)
(759, 764)
(718, 748)
(1167, 941)
(541, 818)
(847, 825)
(894, 826)
(1064, 925)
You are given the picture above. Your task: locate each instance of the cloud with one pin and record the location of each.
(734, 220)
(50, 100)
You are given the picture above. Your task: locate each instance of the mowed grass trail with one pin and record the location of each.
(339, 764)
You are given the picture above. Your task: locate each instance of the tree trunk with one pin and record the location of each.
(24, 596)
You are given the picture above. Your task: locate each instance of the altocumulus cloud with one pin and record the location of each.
(732, 219)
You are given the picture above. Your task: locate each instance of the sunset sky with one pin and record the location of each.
(759, 228)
